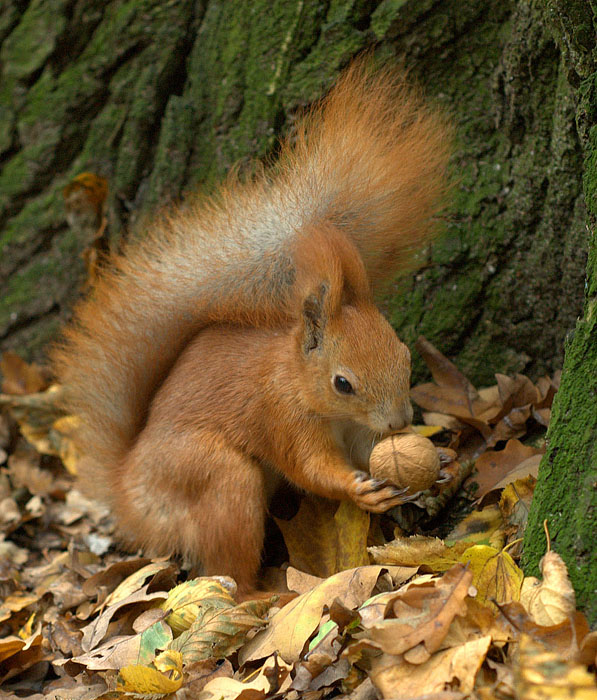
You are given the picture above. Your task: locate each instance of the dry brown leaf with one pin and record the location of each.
(443, 420)
(541, 673)
(290, 628)
(325, 537)
(18, 653)
(515, 504)
(19, 377)
(106, 580)
(516, 391)
(493, 466)
(94, 633)
(395, 678)
(479, 621)
(552, 600)
(24, 472)
(418, 550)
(135, 582)
(300, 582)
(513, 425)
(479, 527)
(36, 414)
(199, 674)
(444, 372)
(273, 678)
(125, 650)
(527, 468)
(320, 666)
(565, 639)
(422, 614)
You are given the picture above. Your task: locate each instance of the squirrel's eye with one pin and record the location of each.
(342, 385)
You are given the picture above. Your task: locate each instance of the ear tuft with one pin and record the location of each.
(314, 318)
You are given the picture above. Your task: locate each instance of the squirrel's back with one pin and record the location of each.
(368, 162)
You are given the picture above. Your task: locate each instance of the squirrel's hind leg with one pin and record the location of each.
(206, 501)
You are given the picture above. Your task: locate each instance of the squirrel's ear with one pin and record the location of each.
(314, 318)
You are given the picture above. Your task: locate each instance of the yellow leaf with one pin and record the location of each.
(495, 575)
(478, 527)
(427, 430)
(165, 678)
(324, 537)
(418, 550)
(66, 430)
(191, 599)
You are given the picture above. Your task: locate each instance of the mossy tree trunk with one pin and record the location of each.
(566, 493)
(163, 97)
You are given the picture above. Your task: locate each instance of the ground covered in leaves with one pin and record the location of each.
(376, 607)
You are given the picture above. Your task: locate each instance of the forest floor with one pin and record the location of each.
(426, 601)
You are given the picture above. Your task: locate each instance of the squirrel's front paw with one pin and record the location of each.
(376, 495)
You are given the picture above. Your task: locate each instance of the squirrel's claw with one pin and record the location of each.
(376, 495)
(444, 477)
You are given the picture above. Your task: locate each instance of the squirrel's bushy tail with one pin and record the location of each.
(368, 162)
(374, 156)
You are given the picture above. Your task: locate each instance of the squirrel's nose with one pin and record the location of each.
(402, 417)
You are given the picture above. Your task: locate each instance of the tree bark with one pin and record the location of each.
(566, 492)
(161, 98)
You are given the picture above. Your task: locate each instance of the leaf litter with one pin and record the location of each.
(417, 603)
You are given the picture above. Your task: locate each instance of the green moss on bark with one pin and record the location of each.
(163, 98)
(565, 494)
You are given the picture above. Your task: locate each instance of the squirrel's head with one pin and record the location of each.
(355, 366)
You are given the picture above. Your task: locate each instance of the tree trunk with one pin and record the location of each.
(566, 493)
(163, 97)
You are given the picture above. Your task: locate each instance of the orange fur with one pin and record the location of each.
(203, 365)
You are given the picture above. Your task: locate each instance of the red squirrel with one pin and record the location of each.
(237, 343)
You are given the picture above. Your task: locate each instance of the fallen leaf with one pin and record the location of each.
(300, 582)
(24, 472)
(273, 678)
(395, 678)
(120, 651)
(541, 673)
(552, 600)
(325, 537)
(19, 377)
(290, 628)
(418, 550)
(479, 527)
(564, 638)
(96, 631)
(493, 466)
(192, 599)
(422, 615)
(495, 575)
(221, 630)
(135, 582)
(515, 504)
(162, 678)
